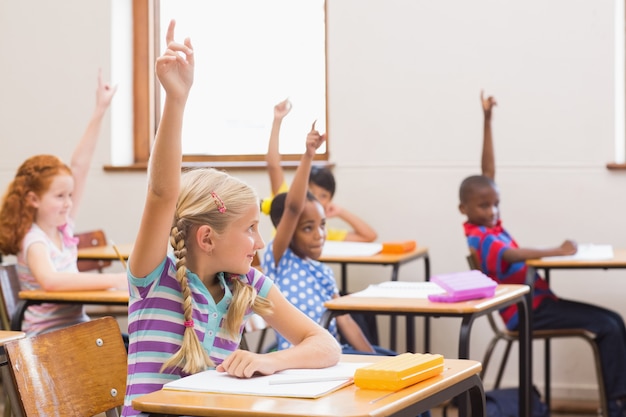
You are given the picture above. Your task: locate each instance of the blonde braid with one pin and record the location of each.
(191, 357)
(244, 296)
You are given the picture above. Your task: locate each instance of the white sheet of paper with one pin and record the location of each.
(339, 376)
(334, 248)
(587, 252)
(400, 289)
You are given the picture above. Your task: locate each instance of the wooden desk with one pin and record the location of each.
(105, 253)
(617, 262)
(30, 297)
(384, 259)
(467, 310)
(460, 376)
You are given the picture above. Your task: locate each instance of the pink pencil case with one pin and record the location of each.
(462, 286)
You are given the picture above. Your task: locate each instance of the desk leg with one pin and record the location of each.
(392, 324)
(426, 319)
(464, 344)
(344, 278)
(18, 315)
(525, 359)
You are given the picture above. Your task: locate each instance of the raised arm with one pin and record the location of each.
(174, 69)
(275, 171)
(488, 161)
(83, 153)
(296, 196)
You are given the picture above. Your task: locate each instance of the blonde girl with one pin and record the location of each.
(188, 308)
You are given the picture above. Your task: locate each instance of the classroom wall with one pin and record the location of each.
(405, 128)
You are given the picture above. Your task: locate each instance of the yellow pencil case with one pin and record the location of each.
(398, 372)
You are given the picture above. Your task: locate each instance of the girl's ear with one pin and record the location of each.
(32, 200)
(204, 238)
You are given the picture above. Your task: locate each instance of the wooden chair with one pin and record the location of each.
(9, 294)
(77, 371)
(501, 333)
(89, 239)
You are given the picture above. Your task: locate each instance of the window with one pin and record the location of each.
(251, 54)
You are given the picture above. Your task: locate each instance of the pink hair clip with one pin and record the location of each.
(188, 323)
(218, 202)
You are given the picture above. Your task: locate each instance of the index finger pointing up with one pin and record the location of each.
(169, 37)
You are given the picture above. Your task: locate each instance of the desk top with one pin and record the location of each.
(347, 402)
(618, 261)
(504, 294)
(10, 335)
(379, 258)
(79, 297)
(105, 253)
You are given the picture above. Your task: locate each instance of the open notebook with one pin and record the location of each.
(299, 383)
(587, 252)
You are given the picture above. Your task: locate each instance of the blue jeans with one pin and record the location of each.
(606, 324)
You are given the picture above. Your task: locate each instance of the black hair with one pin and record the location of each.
(278, 206)
(470, 184)
(323, 177)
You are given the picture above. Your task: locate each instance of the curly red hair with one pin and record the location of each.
(17, 216)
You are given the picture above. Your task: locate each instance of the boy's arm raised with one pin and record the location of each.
(488, 161)
(175, 70)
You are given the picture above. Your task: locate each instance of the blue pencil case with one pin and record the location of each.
(462, 286)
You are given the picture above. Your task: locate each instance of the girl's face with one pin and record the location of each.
(54, 205)
(236, 247)
(310, 235)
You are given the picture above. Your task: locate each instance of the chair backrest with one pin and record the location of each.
(9, 290)
(90, 239)
(77, 371)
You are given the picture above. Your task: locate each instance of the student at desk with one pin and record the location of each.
(503, 260)
(321, 185)
(37, 225)
(188, 308)
(291, 259)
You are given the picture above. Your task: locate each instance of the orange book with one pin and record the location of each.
(399, 246)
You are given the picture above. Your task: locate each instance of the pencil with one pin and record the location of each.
(119, 255)
(305, 380)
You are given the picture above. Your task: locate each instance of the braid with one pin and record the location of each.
(244, 297)
(191, 357)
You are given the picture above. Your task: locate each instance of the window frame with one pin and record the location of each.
(146, 96)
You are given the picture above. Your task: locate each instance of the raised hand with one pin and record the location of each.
(282, 109)
(104, 92)
(314, 140)
(175, 67)
(487, 103)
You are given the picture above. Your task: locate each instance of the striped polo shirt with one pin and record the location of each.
(155, 325)
(490, 243)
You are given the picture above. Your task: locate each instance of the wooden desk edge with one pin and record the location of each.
(206, 404)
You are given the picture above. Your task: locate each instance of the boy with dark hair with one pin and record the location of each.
(502, 259)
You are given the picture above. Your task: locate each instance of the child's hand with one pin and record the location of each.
(245, 364)
(569, 247)
(314, 140)
(175, 71)
(282, 109)
(104, 92)
(332, 210)
(488, 104)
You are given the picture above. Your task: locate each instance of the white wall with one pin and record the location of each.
(405, 128)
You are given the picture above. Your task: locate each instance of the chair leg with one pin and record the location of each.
(505, 358)
(546, 367)
(487, 357)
